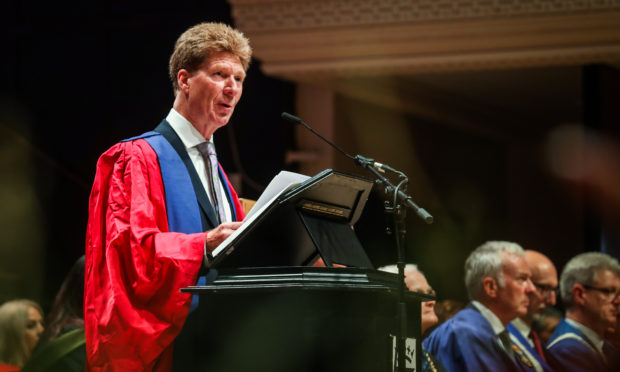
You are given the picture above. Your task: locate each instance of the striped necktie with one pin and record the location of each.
(207, 150)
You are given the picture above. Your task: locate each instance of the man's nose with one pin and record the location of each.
(529, 286)
(231, 85)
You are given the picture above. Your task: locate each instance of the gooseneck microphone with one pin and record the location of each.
(368, 164)
(358, 158)
(295, 120)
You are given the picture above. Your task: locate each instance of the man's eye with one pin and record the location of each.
(218, 73)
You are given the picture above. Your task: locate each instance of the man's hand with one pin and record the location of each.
(219, 234)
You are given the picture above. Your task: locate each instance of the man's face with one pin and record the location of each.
(603, 307)
(416, 282)
(513, 298)
(545, 279)
(214, 90)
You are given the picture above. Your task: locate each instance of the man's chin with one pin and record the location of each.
(522, 311)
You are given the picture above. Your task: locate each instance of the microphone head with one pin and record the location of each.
(288, 117)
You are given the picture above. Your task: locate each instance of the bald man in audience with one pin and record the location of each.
(498, 282)
(545, 280)
(590, 291)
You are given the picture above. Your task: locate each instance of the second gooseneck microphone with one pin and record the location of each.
(295, 120)
(359, 159)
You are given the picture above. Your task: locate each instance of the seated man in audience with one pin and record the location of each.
(498, 282)
(545, 280)
(416, 282)
(590, 291)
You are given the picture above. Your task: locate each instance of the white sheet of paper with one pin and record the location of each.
(281, 183)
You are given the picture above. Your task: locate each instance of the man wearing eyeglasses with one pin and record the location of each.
(590, 291)
(545, 280)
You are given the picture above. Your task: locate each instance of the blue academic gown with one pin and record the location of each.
(466, 342)
(569, 350)
(531, 352)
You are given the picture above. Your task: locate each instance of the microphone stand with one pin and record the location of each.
(395, 208)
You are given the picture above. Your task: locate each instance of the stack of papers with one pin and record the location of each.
(281, 183)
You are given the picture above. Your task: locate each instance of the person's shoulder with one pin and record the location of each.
(468, 319)
(569, 352)
(567, 345)
(465, 324)
(126, 149)
(565, 334)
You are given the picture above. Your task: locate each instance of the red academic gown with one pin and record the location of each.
(135, 266)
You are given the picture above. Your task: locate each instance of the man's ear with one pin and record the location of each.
(183, 80)
(490, 286)
(579, 293)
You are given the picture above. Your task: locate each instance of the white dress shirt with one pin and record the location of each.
(524, 329)
(496, 324)
(191, 138)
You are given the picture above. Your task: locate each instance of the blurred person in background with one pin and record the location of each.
(446, 309)
(62, 347)
(416, 282)
(590, 291)
(546, 323)
(21, 326)
(545, 280)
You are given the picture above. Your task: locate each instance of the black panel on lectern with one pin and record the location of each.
(311, 220)
(343, 246)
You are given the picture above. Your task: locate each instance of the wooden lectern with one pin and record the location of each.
(265, 309)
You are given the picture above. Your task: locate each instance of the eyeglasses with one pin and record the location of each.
(430, 292)
(610, 293)
(546, 290)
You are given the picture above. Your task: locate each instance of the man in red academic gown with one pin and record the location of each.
(157, 206)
